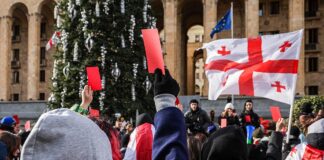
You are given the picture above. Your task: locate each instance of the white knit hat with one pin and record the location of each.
(229, 105)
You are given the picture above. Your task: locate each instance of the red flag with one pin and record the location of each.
(275, 112)
(94, 112)
(54, 40)
(94, 80)
(27, 126)
(153, 50)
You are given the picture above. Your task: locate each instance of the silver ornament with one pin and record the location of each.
(115, 72)
(77, 2)
(89, 43)
(97, 9)
(147, 85)
(66, 70)
(58, 21)
(133, 92)
(56, 10)
(75, 52)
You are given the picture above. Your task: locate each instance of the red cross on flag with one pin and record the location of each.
(264, 67)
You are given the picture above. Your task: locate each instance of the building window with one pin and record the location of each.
(42, 96)
(261, 9)
(311, 8)
(42, 59)
(16, 30)
(312, 90)
(42, 76)
(15, 97)
(43, 30)
(15, 33)
(312, 64)
(274, 7)
(15, 77)
(15, 56)
(313, 35)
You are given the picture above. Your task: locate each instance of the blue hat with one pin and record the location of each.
(7, 121)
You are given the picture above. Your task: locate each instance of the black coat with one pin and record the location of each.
(255, 120)
(231, 120)
(197, 121)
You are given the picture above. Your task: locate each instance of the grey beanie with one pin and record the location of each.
(65, 134)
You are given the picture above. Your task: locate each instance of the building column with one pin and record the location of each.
(5, 51)
(251, 18)
(172, 30)
(297, 22)
(210, 20)
(33, 55)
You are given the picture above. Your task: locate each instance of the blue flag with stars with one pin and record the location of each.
(224, 24)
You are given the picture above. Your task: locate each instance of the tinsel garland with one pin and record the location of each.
(84, 21)
(131, 29)
(122, 6)
(106, 7)
(145, 11)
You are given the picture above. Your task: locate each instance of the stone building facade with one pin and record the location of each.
(25, 65)
(184, 25)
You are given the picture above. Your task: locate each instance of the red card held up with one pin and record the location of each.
(153, 50)
(27, 126)
(223, 122)
(94, 112)
(94, 80)
(247, 118)
(275, 112)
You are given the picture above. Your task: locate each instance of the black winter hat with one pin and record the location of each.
(193, 101)
(225, 144)
(143, 118)
(294, 131)
(306, 109)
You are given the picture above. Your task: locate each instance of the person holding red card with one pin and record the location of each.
(229, 115)
(248, 116)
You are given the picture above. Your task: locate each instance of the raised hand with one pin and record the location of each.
(280, 124)
(165, 84)
(87, 96)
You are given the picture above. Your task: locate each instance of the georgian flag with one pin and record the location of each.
(305, 151)
(140, 143)
(265, 66)
(55, 39)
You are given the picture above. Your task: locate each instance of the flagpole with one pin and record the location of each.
(232, 21)
(232, 33)
(291, 113)
(293, 98)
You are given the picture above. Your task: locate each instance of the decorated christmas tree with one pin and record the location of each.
(107, 34)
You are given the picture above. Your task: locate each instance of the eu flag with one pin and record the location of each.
(224, 24)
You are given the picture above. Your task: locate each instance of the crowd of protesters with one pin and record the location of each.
(72, 134)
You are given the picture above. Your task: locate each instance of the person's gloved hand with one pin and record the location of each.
(165, 90)
(165, 84)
